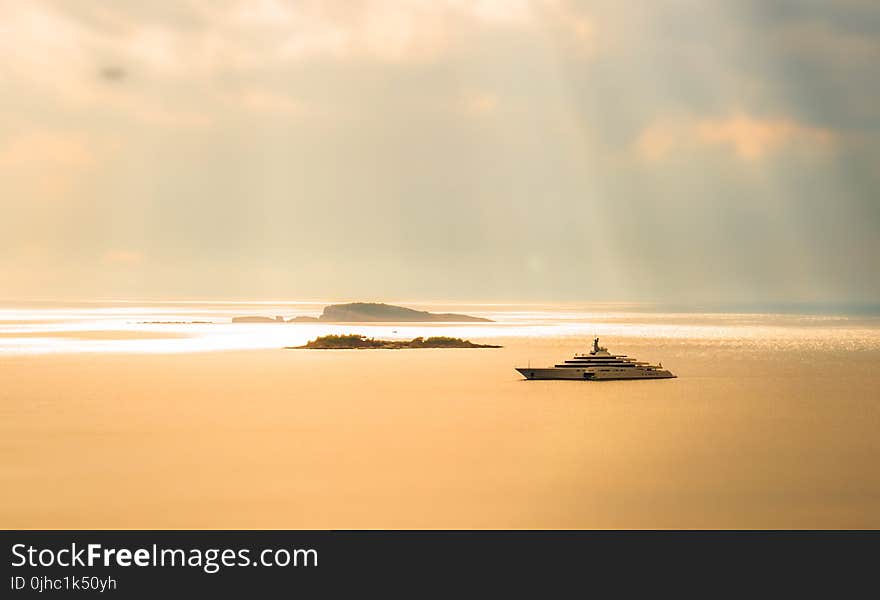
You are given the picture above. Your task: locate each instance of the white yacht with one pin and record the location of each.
(598, 364)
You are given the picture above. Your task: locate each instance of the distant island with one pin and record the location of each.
(354, 341)
(258, 320)
(174, 322)
(369, 312)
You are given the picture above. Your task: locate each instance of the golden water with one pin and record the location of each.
(107, 422)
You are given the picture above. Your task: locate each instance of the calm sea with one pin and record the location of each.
(132, 415)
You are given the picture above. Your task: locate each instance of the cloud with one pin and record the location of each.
(382, 30)
(752, 138)
(39, 45)
(748, 138)
(206, 36)
(659, 139)
(279, 120)
(172, 66)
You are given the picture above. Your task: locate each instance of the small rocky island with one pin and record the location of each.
(369, 312)
(361, 342)
(278, 319)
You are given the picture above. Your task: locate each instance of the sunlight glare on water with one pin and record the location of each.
(173, 327)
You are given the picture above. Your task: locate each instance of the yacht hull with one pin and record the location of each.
(591, 375)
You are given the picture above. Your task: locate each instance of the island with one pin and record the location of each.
(369, 312)
(257, 320)
(353, 341)
(357, 312)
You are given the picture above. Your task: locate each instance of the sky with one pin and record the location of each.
(485, 150)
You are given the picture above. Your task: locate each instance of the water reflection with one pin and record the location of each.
(171, 327)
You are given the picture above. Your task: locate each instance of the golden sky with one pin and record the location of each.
(445, 149)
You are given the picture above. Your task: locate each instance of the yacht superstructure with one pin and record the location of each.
(597, 365)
